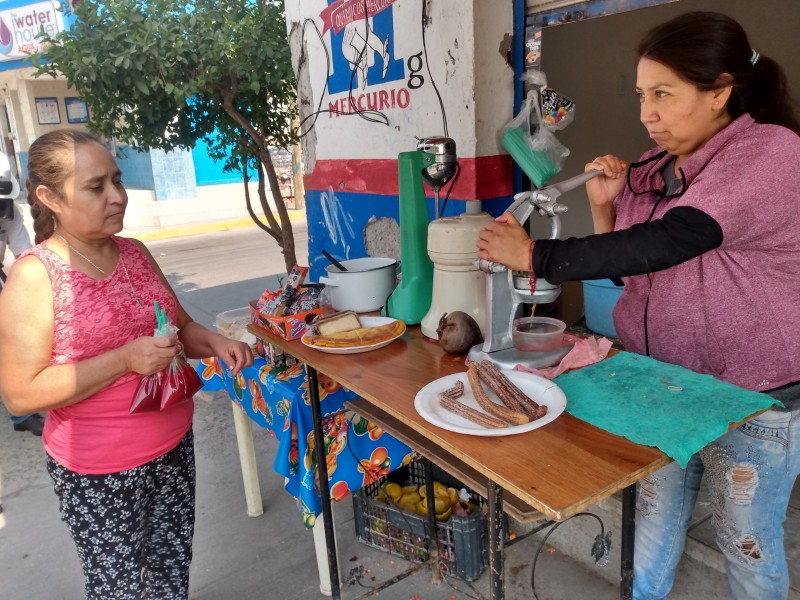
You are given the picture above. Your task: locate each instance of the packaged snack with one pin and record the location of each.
(307, 298)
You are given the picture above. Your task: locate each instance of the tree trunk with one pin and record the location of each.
(261, 150)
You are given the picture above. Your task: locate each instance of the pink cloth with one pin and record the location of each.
(586, 351)
(98, 435)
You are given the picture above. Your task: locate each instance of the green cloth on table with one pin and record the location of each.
(658, 404)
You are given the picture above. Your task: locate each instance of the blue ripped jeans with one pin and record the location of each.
(751, 471)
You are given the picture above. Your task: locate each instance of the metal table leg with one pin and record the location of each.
(627, 541)
(324, 490)
(433, 538)
(496, 539)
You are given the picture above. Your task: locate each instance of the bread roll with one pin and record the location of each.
(338, 322)
(362, 336)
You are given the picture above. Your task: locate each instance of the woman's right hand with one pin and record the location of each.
(150, 354)
(603, 189)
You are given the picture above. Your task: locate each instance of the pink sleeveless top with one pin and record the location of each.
(98, 435)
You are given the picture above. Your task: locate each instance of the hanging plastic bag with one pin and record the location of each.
(177, 382)
(148, 396)
(180, 382)
(555, 110)
(534, 147)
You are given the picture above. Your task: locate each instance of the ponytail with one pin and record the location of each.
(767, 97)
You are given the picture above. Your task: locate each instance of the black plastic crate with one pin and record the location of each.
(462, 540)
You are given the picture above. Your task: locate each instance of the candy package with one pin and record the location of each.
(278, 304)
(307, 298)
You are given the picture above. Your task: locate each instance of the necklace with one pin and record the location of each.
(91, 262)
(81, 254)
(130, 283)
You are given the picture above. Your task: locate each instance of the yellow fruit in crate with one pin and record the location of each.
(410, 488)
(441, 504)
(381, 497)
(393, 490)
(407, 507)
(410, 498)
(439, 489)
(452, 493)
(445, 515)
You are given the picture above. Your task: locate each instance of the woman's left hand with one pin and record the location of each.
(235, 355)
(505, 241)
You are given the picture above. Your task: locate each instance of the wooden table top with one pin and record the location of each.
(559, 469)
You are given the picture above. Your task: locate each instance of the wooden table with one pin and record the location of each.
(559, 469)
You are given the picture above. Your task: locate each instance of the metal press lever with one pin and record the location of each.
(545, 200)
(503, 299)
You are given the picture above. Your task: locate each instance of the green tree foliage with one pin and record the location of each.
(167, 73)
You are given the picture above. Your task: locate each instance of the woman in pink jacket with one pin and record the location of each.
(703, 230)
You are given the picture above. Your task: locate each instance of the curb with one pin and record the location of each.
(200, 228)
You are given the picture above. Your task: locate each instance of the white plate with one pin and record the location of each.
(365, 322)
(542, 390)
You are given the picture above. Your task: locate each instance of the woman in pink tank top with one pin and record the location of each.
(77, 323)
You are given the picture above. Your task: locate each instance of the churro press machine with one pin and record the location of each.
(507, 291)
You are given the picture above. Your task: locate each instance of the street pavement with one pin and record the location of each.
(237, 557)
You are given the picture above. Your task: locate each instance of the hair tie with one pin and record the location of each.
(754, 57)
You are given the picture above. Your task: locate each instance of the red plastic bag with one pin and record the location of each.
(180, 382)
(148, 396)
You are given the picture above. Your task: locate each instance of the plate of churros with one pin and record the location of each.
(488, 401)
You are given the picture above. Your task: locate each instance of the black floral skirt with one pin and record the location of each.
(133, 529)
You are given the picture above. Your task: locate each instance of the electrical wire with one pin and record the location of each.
(450, 189)
(428, 66)
(383, 119)
(601, 539)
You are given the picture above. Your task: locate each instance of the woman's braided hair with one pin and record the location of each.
(50, 162)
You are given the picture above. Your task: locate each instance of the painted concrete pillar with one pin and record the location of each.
(375, 75)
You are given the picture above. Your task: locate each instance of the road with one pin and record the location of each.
(215, 272)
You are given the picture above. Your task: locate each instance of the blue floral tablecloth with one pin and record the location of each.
(358, 452)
